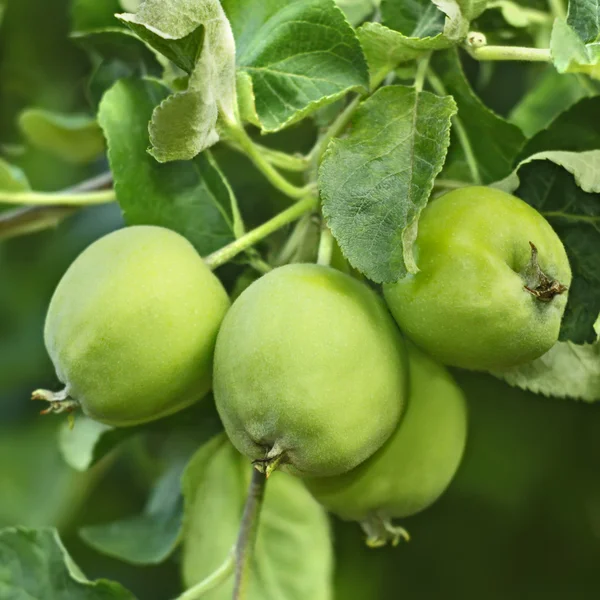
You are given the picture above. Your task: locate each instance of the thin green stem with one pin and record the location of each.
(557, 8)
(511, 53)
(241, 138)
(247, 533)
(214, 580)
(54, 198)
(325, 245)
(22, 221)
(281, 160)
(461, 132)
(334, 130)
(451, 184)
(225, 254)
(422, 66)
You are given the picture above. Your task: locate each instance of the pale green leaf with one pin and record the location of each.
(459, 14)
(565, 371)
(130, 5)
(570, 54)
(385, 48)
(197, 36)
(35, 564)
(12, 179)
(293, 554)
(190, 197)
(81, 446)
(584, 166)
(519, 16)
(300, 55)
(356, 11)
(376, 181)
(72, 137)
(584, 18)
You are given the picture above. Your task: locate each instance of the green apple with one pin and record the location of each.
(492, 282)
(132, 326)
(309, 371)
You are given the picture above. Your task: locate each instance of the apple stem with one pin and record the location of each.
(247, 533)
(543, 288)
(380, 531)
(268, 464)
(60, 402)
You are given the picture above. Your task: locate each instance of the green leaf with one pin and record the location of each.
(130, 5)
(584, 166)
(385, 48)
(375, 182)
(196, 35)
(12, 179)
(566, 371)
(116, 53)
(459, 14)
(576, 129)
(191, 197)
(494, 142)
(300, 55)
(88, 441)
(94, 14)
(519, 16)
(413, 18)
(553, 94)
(570, 54)
(584, 19)
(551, 182)
(74, 138)
(35, 564)
(31, 468)
(293, 554)
(148, 538)
(356, 11)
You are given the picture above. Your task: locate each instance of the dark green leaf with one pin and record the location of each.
(553, 94)
(94, 14)
(413, 18)
(299, 55)
(575, 130)
(191, 197)
(494, 142)
(584, 18)
(148, 538)
(35, 564)
(375, 182)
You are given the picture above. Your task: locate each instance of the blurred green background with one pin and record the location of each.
(522, 518)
